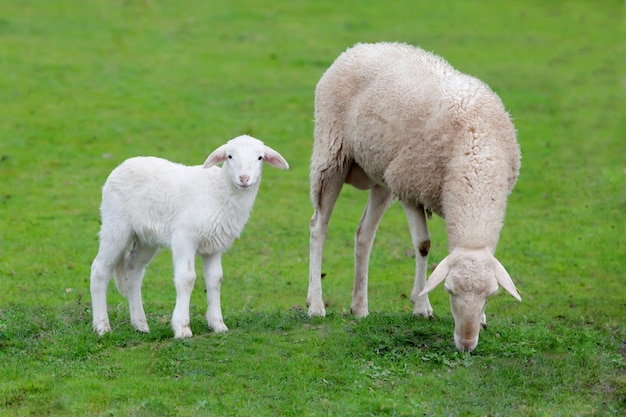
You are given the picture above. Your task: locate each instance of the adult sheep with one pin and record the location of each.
(403, 123)
(148, 203)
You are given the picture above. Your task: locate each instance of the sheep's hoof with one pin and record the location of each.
(317, 313)
(422, 308)
(316, 309)
(359, 312)
(421, 312)
(102, 328)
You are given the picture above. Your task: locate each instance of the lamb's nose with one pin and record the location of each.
(244, 179)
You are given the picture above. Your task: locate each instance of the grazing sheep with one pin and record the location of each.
(401, 122)
(151, 203)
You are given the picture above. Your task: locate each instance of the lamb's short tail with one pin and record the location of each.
(120, 273)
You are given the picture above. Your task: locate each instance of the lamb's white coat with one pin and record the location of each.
(403, 123)
(149, 203)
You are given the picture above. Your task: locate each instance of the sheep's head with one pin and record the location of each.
(243, 158)
(471, 277)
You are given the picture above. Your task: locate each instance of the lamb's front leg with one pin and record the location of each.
(184, 279)
(421, 244)
(213, 277)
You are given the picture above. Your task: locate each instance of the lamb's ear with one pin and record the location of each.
(437, 277)
(274, 158)
(216, 157)
(505, 281)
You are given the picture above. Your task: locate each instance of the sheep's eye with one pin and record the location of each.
(230, 157)
(260, 158)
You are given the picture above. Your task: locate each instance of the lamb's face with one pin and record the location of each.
(243, 165)
(470, 282)
(243, 159)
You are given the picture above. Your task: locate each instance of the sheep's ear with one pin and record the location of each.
(437, 277)
(216, 157)
(275, 159)
(505, 281)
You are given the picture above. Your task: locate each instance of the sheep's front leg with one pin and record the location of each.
(213, 277)
(184, 279)
(379, 200)
(421, 244)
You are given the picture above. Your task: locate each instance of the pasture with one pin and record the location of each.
(87, 84)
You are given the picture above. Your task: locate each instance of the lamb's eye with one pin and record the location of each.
(230, 157)
(260, 158)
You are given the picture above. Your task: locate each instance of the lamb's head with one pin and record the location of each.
(471, 277)
(243, 158)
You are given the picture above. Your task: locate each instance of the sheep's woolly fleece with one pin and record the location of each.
(417, 125)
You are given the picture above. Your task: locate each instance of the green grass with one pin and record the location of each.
(84, 85)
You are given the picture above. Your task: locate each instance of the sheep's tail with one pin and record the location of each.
(120, 273)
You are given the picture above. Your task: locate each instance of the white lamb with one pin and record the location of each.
(151, 203)
(401, 122)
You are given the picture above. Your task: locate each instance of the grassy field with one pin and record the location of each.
(87, 84)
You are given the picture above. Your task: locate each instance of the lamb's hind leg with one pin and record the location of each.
(325, 187)
(134, 269)
(377, 204)
(101, 273)
(113, 244)
(421, 244)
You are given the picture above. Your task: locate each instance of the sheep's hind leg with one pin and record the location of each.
(184, 279)
(213, 274)
(134, 269)
(421, 244)
(325, 188)
(379, 200)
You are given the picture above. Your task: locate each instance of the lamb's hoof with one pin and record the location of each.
(483, 322)
(183, 333)
(141, 326)
(218, 327)
(101, 328)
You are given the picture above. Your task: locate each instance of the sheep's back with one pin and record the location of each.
(403, 115)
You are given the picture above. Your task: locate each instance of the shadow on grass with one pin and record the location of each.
(65, 332)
